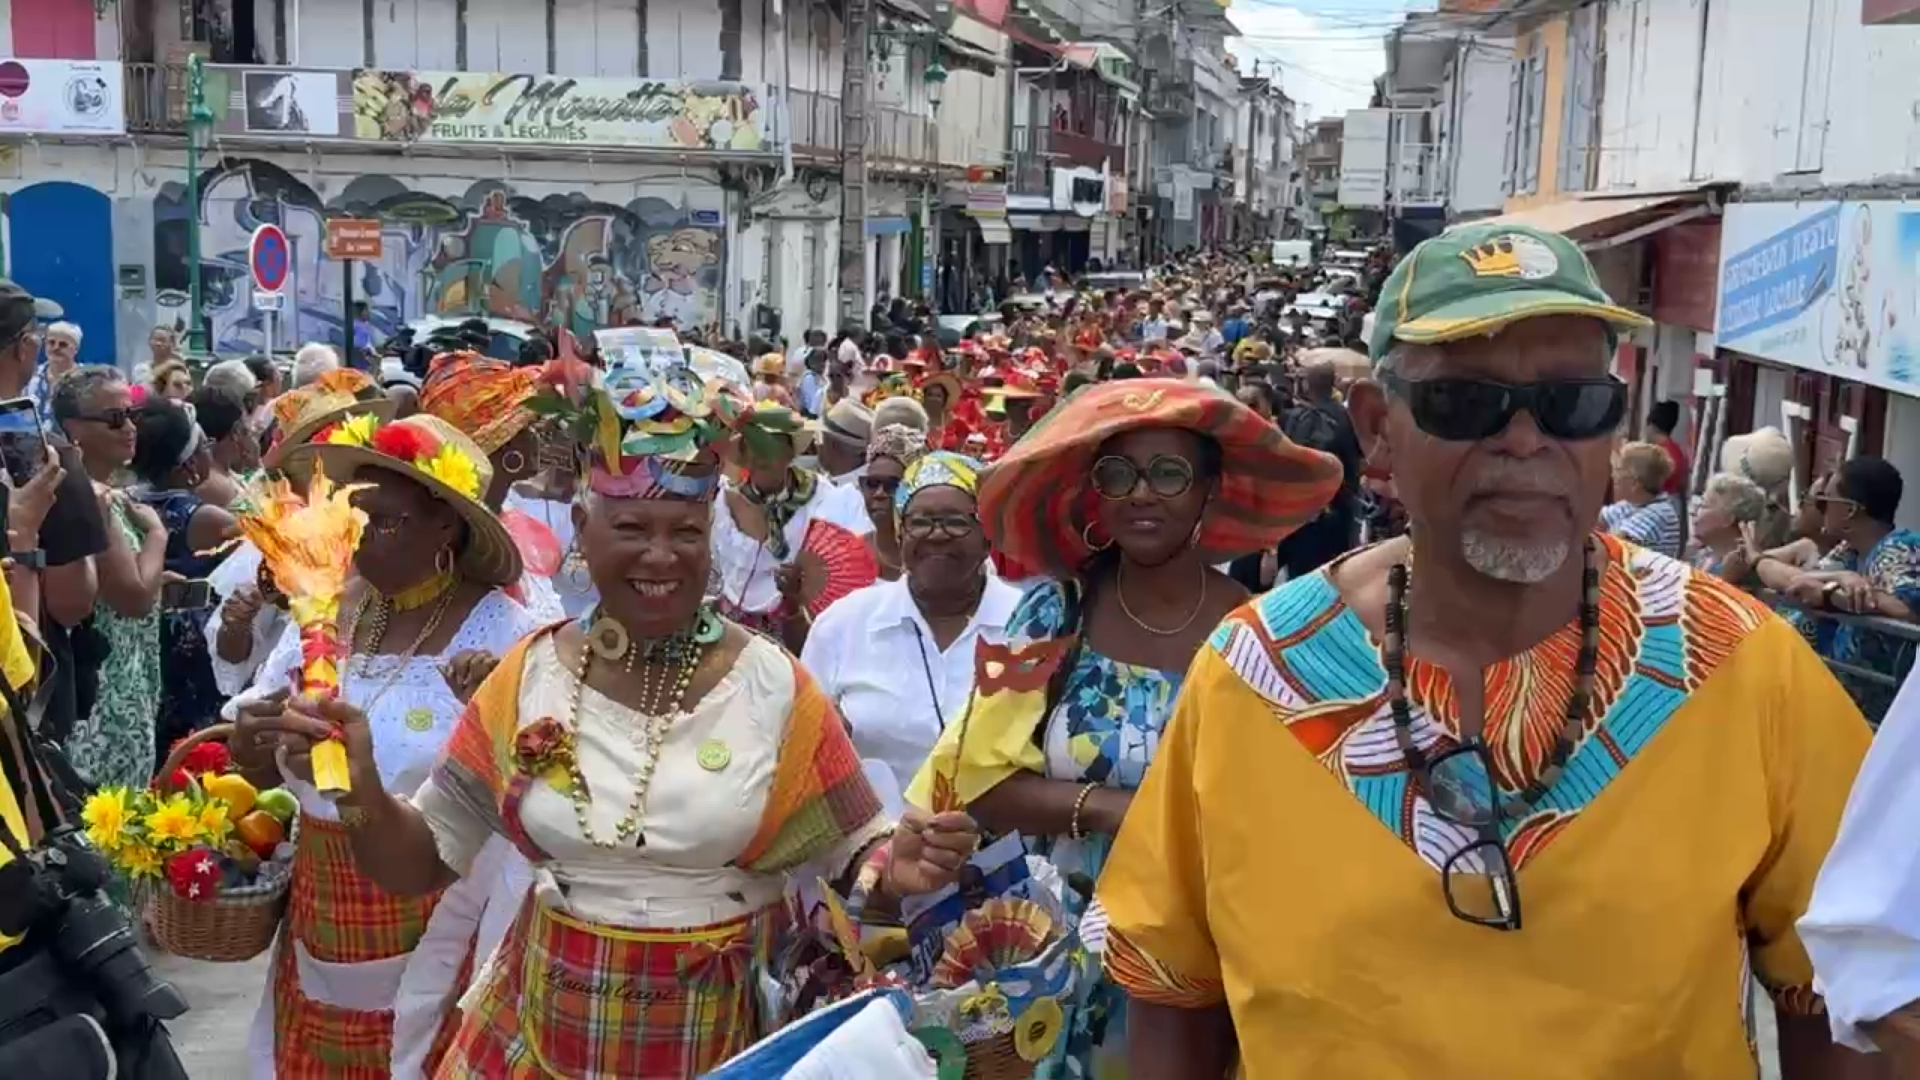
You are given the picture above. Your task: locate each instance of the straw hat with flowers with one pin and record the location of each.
(1034, 502)
(437, 456)
(304, 412)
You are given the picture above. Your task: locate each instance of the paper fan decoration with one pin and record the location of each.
(539, 548)
(833, 562)
(992, 937)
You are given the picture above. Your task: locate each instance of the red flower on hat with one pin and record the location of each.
(404, 441)
(194, 875)
(208, 757)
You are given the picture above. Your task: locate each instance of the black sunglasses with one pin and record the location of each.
(1478, 880)
(1467, 410)
(879, 485)
(1167, 476)
(114, 419)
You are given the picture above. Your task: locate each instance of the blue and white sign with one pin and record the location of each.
(1832, 287)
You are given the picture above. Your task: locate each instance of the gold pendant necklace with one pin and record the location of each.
(671, 666)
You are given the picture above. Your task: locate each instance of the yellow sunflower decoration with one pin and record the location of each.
(455, 469)
(1035, 1033)
(107, 817)
(173, 822)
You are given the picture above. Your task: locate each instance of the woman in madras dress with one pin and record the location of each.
(889, 451)
(1128, 495)
(364, 983)
(670, 774)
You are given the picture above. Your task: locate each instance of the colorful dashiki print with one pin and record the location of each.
(1662, 631)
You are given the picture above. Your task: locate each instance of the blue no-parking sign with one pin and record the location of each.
(269, 258)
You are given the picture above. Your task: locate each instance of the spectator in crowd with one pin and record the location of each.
(71, 533)
(172, 380)
(235, 379)
(812, 391)
(1766, 458)
(235, 449)
(844, 433)
(1730, 504)
(815, 339)
(114, 741)
(363, 338)
(62, 344)
(313, 360)
(1641, 512)
(163, 344)
(1873, 568)
(269, 383)
(1321, 422)
(172, 457)
(534, 351)
(1664, 419)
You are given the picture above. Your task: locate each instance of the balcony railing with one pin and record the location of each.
(900, 136)
(156, 98)
(1417, 176)
(1086, 151)
(816, 122)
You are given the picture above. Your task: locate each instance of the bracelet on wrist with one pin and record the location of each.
(1074, 829)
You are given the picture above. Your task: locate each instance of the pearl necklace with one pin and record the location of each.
(672, 664)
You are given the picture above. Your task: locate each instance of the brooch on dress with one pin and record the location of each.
(545, 749)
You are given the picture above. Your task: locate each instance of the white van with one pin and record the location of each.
(1294, 254)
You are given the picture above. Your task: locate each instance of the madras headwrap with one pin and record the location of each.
(819, 798)
(942, 468)
(484, 397)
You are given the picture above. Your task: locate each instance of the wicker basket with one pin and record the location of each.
(995, 1059)
(237, 925)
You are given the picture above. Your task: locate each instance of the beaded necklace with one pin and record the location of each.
(1579, 704)
(672, 662)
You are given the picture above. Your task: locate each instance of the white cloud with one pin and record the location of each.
(1326, 64)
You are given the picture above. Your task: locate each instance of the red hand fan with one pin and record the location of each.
(539, 548)
(833, 562)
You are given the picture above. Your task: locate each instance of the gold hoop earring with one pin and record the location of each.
(1086, 537)
(446, 554)
(512, 462)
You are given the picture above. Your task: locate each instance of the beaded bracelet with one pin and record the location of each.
(1073, 826)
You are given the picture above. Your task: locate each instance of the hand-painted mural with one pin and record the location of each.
(562, 259)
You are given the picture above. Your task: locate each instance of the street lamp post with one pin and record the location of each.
(935, 78)
(198, 116)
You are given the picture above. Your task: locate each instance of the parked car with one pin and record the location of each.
(506, 335)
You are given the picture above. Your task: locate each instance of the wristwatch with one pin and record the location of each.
(30, 559)
(1827, 592)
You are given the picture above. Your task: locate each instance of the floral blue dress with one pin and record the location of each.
(1892, 566)
(1104, 729)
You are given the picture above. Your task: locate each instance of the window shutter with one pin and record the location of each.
(1509, 170)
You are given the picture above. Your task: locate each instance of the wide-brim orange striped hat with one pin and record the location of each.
(1034, 502)
(484, 398)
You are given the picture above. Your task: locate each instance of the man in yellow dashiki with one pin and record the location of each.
(1509, 799)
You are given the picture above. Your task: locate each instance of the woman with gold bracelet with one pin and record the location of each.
(364, 982)
(671, 776)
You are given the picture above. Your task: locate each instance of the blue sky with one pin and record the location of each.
(1329, 51)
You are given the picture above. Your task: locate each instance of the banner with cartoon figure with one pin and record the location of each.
(530, 109)
(1832, 287)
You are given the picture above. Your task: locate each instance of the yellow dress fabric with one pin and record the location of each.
(16, 665)
(1275, 860)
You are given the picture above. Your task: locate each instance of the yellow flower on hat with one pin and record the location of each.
(173, 823)
(454, 469)
(353, 431)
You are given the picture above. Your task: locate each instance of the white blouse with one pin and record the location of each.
(1862, 926)
(746, 566)
(241, 569)
(877, 659)
(700, 812)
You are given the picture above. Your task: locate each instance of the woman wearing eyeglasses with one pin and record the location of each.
(1127, 495)
(890, 450)
(113, 742)
(897, 656)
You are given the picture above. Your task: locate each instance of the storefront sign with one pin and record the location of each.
(1829, 287)
(1082, 190)
(61, 97)
(524, 108)
(1686, 264)
(987, 200)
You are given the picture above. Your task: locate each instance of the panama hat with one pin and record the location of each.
(437, 456)
(1034, 505)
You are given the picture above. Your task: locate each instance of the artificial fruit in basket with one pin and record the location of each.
(232, 789)
(261, 831)
(279, 802)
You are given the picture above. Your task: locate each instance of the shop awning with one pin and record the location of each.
(1033, 222)
(1103, 59)
(994, 230)
(888, 226)
(1606, 221)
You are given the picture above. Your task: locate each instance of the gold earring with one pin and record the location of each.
(512, 462)
(1086, 537)
(446, 554)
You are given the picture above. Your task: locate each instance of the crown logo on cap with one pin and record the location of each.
(1512, 256)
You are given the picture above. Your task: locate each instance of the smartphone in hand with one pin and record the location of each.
(23, 443)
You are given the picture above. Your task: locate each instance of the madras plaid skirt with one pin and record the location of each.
(585, 1001)
(341, 917)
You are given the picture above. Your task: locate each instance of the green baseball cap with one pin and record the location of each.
(1477, 279)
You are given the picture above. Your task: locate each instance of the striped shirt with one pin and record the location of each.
(1655, 526)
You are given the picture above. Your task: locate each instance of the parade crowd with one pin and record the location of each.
(1333, 679)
